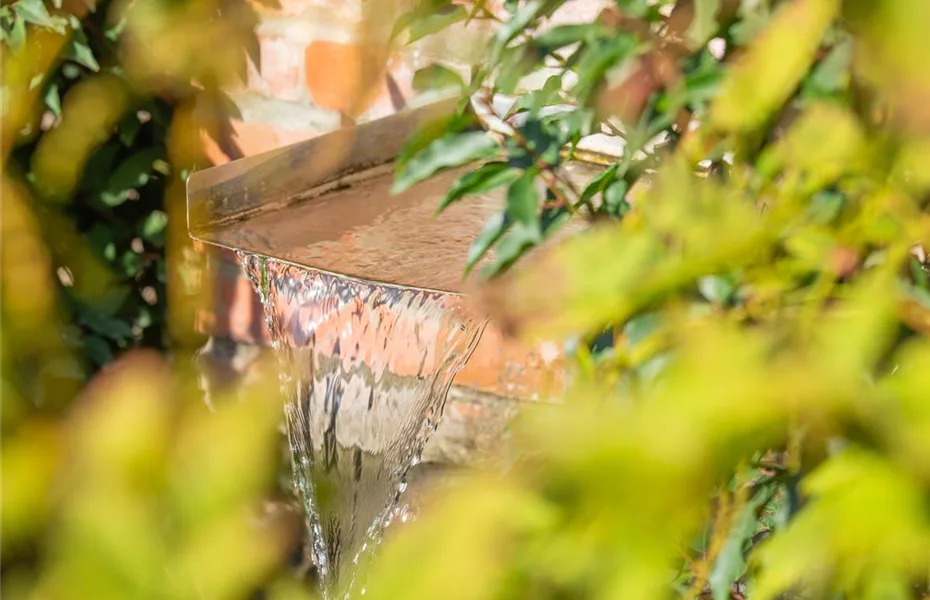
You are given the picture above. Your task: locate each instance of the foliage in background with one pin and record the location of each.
(127, 486)
(751, 416)
(99, 133)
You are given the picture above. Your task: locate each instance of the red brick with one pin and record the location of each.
(344, 77)
(278, 74)
(250, 138)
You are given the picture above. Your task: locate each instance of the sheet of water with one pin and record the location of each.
(366, 369)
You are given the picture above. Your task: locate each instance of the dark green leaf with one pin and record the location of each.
(113, 299)
(437, 77)
(483, 179)
(105, 325)
(552, 218)
(701, 84)
(615, 198)
(731, 563)
(131, 174)
(129, 128)
(98, 350)
(542, 141)
(523, 199)
(430, 132)
(451, 150)
(52, 100)
(565, 35)
(99, 166)
(131, 263)
(490, 233)
(435, 22)
(79, 52)
(599, 182)
(717, 289)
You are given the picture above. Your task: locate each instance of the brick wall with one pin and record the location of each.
(320, 68)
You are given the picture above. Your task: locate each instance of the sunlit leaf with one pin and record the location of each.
(764, 77)
(437, 77)
(451, 150)
(34, 11)
(81, 53)
(704, 22)
(435, 22)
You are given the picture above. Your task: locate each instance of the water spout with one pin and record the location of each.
(362, 293)
(366, 369)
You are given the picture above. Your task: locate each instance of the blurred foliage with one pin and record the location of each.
(101, 125)
(749, 307)
(127, 486)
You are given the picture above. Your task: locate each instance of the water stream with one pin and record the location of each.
(366, 369)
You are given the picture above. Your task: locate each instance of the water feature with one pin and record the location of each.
(366, 369)
(362, 293)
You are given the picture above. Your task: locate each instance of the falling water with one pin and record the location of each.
(366, 369)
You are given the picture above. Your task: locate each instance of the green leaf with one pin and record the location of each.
(17, 36)
(35, 12)
(825, 207)
(770, 70)
(520, 21)
(129, 128)
(53, 100)
(599, 182)
(490, 233)
(451, 150)
(641, 327)
(98, 350)
(514, 244)
(702, 83)
(565, 35)
(537, 99)
(598, 58)
(704, 23)
(523, 199)
(483, 179)
(437, 77)
(731, 564)
(107, 326)
(717, 289)
(79, 52)
(831, 74)
(153, 227)
(430, 132)
(615, 198)
(435, 22)
(133, 173)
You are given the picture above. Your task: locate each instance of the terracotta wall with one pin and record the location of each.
(319, 70)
